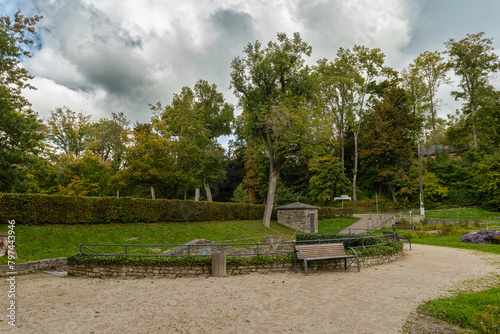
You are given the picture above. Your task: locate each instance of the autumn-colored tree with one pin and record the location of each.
(388, 141)
(68, 131)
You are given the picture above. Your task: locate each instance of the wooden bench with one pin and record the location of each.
(395, 236)
(403, 226)
(322, 252)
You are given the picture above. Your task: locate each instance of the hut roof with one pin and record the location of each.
(296, 206)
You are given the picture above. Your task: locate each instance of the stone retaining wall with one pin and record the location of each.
(142, 271)
(57, 264)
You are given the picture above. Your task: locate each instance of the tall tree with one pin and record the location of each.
(68, 131)
(337, 83)
(20, 139)
(196, 118)
(368, 64)
(473, 60)
(388, 141)
(274, 89)
(108, 139)
(432, 68)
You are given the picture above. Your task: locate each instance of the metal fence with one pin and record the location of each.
(231, 249)
(451, 215)
(491, 226)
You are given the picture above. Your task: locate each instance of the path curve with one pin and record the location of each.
(376, 300)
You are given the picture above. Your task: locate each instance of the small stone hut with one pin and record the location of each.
(299, 216)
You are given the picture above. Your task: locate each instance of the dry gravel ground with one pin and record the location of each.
(378, 299)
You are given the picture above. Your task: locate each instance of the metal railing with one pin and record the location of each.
(490, 226)
(247, 249)
(451, 215)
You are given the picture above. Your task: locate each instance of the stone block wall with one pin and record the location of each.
(298, 219)
(57, 264)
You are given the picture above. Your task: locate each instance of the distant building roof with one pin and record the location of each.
(296, 206)
(431, 150)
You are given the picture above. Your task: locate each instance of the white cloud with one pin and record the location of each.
(113, 56)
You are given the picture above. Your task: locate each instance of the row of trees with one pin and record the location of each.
(347, 125)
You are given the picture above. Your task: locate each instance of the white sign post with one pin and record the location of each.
(342, 198)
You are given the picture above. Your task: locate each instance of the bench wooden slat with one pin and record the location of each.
(321, 252)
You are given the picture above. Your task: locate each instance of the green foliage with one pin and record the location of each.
(327, 180)
(45, 209)
(20, 139)
(388, 140)
(469, 310)
(473, 60)
(488, 180)
(240, 195)
(349, 240)
(274, 88)
(488, 320)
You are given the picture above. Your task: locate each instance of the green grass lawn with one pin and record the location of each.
(35, 242)
(336, 223)
(460, 213)
(454, 242)
(463, 309)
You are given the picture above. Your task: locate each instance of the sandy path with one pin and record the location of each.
(375, 300)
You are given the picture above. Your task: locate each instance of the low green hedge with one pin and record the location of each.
(349, 240)
(46, 209)
(176, 260)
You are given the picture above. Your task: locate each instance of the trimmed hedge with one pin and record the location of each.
(48, 209)
(176, 260)
(349, 240)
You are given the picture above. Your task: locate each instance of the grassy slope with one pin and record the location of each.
(48, 241)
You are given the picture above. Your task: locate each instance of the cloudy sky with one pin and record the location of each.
(104, 56)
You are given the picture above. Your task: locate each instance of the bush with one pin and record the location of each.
(482, 237)
(46, 209)
(487, 321)
(349, 240)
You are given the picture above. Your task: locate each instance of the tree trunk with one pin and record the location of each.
(355, 176)
(271, 193)
(433, 118)
(422, 210)
(118, 193)
(4, 246)
(197, 194)
(207, 191)
(473, 111)
(153, 196)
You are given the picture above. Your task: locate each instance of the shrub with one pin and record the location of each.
(487, 321)
(482, 237)
(349, 240)
(416, 235)
(46, 209)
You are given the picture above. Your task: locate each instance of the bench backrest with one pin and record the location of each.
(320, 250)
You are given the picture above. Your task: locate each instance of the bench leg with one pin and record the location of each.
(345, 263)
(305, 265)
